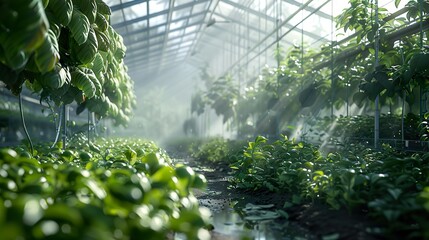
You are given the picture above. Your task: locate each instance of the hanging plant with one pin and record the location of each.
(66, 51)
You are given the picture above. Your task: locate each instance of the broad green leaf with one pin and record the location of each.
(103, 8)
(85, 52)
(395, 192)
(101, 22)
(81, 81)
(63, 213)
(79, 26)
(163, 174)
(199, 182)
(87, 7)
(91, 76)
(397, 2)
(28, 30)
(53, 79)
(62, 10)
(47, 55)
(16, 59)
(97, 65)
(103, 41)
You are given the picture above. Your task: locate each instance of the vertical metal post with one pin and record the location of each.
(332, 61)
(377, 99)
(65, 119)
(423, 92)
(89, 126)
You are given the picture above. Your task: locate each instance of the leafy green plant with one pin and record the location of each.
(66, 51)
(216, 150)
(110, 189)
(388, 184)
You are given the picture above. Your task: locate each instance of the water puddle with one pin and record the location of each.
(235, 219)
(259, 222)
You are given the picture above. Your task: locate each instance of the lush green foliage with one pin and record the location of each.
(66, 51)
(216, 150)
(308, 82)
(389, 184)
(115, 189)
(361, 128)
(221, 95)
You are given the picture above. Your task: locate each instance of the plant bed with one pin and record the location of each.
(108, 189)
(355, 193)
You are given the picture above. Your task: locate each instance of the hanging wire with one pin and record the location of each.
(21, 110)
(403, 97)
(57, 129)
(65, 118)
(89, 126)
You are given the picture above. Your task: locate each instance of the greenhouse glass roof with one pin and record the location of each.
(164, 35)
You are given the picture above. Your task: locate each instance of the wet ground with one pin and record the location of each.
(239, 215)
(234, 215)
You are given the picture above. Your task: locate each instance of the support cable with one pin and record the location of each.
(65, 117)
(57, 129)
(89, 126)
(21, 110)
(403, 100)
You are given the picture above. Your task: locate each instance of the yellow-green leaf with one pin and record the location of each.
(79, 26)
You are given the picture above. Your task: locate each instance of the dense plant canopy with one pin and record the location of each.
(110, 189)
(66, 51)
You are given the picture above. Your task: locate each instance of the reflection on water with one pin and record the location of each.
(238, 220)
(228, 224)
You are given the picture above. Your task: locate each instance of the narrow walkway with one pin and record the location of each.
(228, 220)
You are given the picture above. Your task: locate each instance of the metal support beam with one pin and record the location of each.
(274, 31)
(173, 21)
(309, 8)
(126, 5)
(284, 23)
(129, 44)
(211, 9)
(139, 19)
(141, 49)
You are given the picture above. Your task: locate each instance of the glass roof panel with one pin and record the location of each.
(157, 6)
(181, 13)
(173, 41)
(135, 26)
(199, 7)
(177, 24)
(242, 29)
(112, 2)
(196, 19)
(134, 12)
(189, 37)
(116, 17)
(156, 40)
(158, 20)
(181, 2)
(175, 33)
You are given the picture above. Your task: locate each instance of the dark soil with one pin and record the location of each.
(308, 221)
